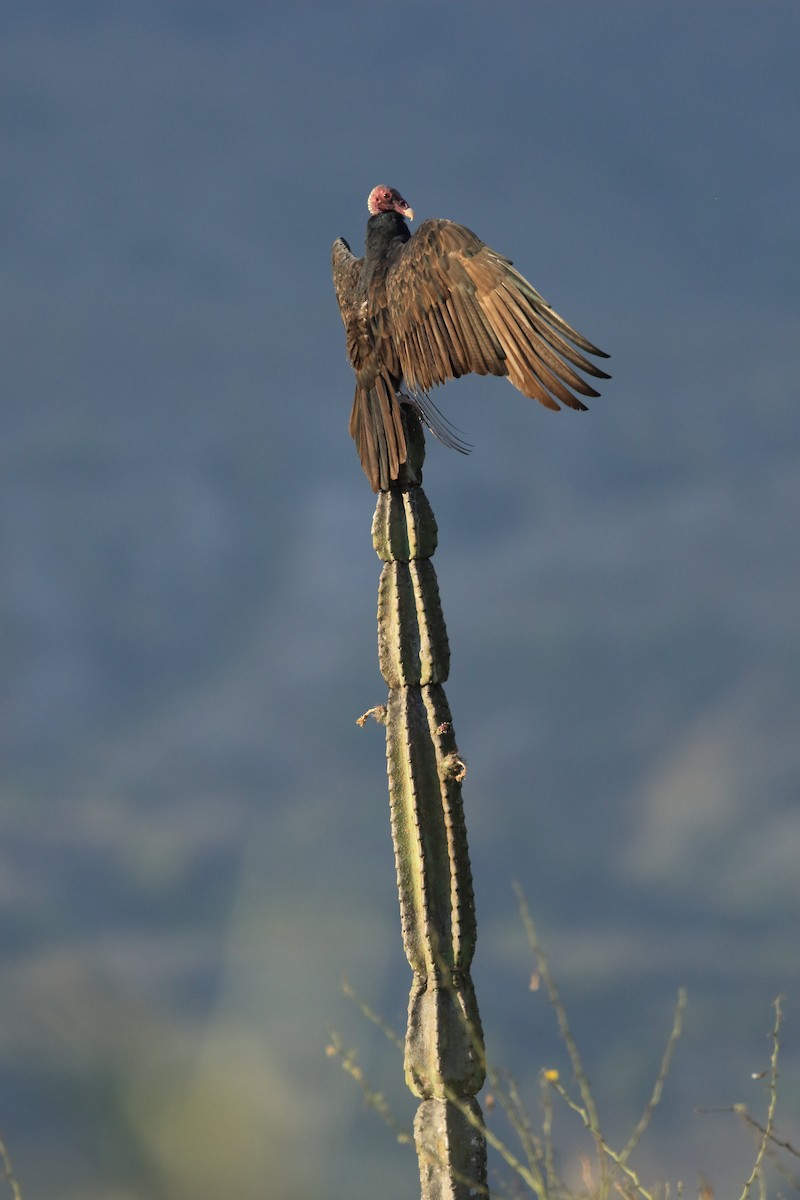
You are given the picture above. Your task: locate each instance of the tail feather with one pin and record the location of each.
(377, 429)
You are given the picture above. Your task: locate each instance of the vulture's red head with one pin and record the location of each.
(385, 199)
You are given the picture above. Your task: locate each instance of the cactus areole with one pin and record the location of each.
(419, 310)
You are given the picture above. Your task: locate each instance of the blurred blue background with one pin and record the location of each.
(194, 832)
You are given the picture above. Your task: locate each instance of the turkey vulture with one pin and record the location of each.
(420, 310)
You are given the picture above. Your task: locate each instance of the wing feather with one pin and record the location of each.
(458, 353)
(486, 352)
(551, 338)
(519, 372)
(540, 303)
(346, 273)
(456, 306)
(444, 356)
(552, 372)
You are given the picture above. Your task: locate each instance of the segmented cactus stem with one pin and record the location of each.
(444, 1042)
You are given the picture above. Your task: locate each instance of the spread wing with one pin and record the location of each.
(457, 306)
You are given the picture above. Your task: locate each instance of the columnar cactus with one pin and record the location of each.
(443, 1050)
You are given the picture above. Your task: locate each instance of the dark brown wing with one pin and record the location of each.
(346, 272)
(457, 306)
(346, 275)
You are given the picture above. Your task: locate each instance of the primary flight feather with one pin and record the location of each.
(419, 310)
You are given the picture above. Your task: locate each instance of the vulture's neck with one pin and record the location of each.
(386, 233)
